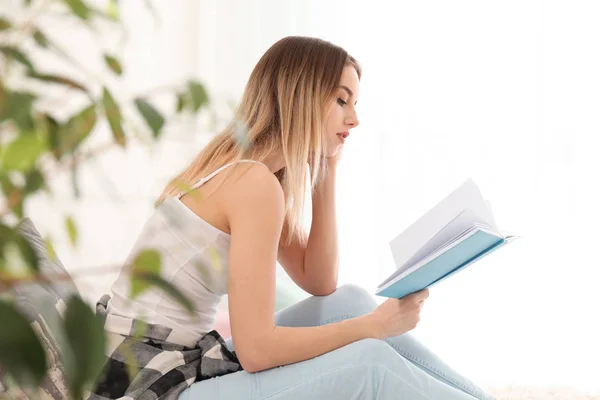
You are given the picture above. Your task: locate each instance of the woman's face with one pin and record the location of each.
(342, 117)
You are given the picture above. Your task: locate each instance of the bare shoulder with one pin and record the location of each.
(251, 188)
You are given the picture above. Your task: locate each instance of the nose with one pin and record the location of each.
(352, 120)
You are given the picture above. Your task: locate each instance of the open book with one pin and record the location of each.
(458, 231)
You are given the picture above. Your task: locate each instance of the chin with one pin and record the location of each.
(330, 153)
(333, 150)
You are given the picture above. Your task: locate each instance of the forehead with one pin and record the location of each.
(350, 79)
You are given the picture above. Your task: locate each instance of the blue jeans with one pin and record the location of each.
(399, 367)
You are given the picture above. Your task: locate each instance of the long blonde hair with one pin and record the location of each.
(281, 112)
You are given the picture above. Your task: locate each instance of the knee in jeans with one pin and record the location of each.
(374, 351)
(351, 292)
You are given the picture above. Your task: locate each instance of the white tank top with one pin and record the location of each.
(194, 257)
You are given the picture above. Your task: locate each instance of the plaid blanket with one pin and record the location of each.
(165, 362)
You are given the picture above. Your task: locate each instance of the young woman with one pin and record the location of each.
(242, 205)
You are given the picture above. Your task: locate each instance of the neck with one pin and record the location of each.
(275, 163)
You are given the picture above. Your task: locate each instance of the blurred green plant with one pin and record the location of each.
(34, 143)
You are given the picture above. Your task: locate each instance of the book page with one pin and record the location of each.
(412, 243)
(466, 220)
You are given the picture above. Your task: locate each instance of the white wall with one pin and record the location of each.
(503, 92)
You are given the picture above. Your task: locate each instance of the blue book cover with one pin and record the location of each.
(466, 249)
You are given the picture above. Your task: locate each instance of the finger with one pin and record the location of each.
(420, 295)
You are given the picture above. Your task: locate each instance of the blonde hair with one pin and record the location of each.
(281, 112)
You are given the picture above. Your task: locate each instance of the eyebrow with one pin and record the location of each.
(347, 89)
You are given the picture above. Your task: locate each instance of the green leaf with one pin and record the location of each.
(97, 12)
(181, 102)
(153, 118)
(113, 64)
(146, 262)
(198, 95)
(17, 106)
(55, 324)
(204, 272)
(12, 52)
(131, 364)
(4, 24)
(18, 209)
(12, 263)
(53, 129)
(183, 186)
(140, 329)
(112, 10)
(85, 334)
(21, 353)
(3, 93)
(41, 39)
(71, 230)
(11, 191)
(22, 153)
(9, 236)
(34, 181)
(114, 117)
(215, 258)
(168, 288)
(50, 249)
(187, 189)
(6, 185)
(75, 182)
(76, 130)
(79, 8)
(146, 273)
(58, 79)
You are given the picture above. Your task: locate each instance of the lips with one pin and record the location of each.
(344, 135)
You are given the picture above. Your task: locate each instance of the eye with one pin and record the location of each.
(341, 102)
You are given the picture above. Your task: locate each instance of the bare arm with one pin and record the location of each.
(314, 266)
(321, 261)
(256, 220)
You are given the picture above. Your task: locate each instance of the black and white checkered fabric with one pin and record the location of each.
(165, 362)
